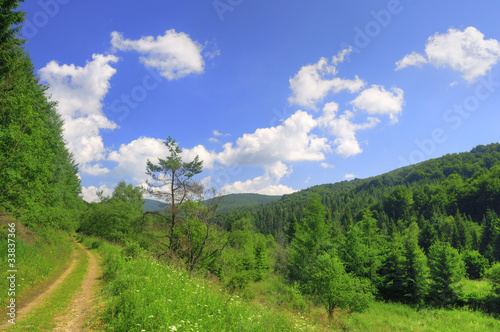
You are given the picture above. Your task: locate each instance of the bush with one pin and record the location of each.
(475, 263)
(132, 250)
(337, 289)
(494, 275)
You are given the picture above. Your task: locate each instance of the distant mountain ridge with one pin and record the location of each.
(152, 205)
(227, 202)
(236, 201)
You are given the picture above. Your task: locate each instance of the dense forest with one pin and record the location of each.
(38, 177)
(413, 232)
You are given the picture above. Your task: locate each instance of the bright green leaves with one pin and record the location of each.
(338, 289)
(447, 268)
(314, 265)
(38, 176)
(115, 217)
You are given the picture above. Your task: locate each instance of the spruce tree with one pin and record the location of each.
(446, 268)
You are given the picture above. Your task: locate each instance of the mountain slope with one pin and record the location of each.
(466, 182)
(226, 202)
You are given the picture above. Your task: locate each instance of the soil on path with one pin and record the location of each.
(79, 307)
(40, 298)
(81, 304)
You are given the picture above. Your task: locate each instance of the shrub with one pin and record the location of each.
(475, 263)
(494, 275)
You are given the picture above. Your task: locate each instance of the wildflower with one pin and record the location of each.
(172, 328)
(151, 316)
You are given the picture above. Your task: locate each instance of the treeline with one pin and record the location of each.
(409, 235)
(464, 185)
(38, 176)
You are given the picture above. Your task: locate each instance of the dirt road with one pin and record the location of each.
(74, 317)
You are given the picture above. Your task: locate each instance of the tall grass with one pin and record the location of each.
(399, 317)
(41, 256)
(147, 295)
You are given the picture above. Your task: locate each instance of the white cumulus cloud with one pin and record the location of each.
(326, 165)
(175, 54)
(377, 100)
(80, 92)
(267, 184)
(89, 194)
(467, 52)
(132, 158)
(314, 82)
(344, 129)
(413, 59)
(291, 141)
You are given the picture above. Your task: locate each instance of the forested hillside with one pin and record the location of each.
(467, 183)
(38, 176)
(413, 233)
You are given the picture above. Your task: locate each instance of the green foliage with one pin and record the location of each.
(490, 237)
(38, 176)
(137, 301)
(493, 274)
(405, 274)
(446, 268)
(115, 218)
(309, 242)
(248, 256)
(475, 263)
(384, 316)
(41, 254)
(363, 248)
(177, 175)
(415, 266)
(399, 203)
(337, 289)
(238, 201)
(10, 21)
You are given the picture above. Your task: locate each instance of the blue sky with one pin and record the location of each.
(274, 96)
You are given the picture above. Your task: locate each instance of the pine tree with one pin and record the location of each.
(310, 241)
(447, 268)
(491, 230)
(415, 266)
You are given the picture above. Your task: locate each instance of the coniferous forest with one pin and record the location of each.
(425, 237)
(38, 176)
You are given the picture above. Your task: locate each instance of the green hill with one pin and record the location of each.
(466, 182)
(151, 205)
(236, 201)
(226, 203)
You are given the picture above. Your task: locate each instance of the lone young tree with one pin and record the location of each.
(172, 180)
(193, 234)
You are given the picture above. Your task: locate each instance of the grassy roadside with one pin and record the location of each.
(42, 318)
(399, 317)
(146, 295)
(35, 253)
